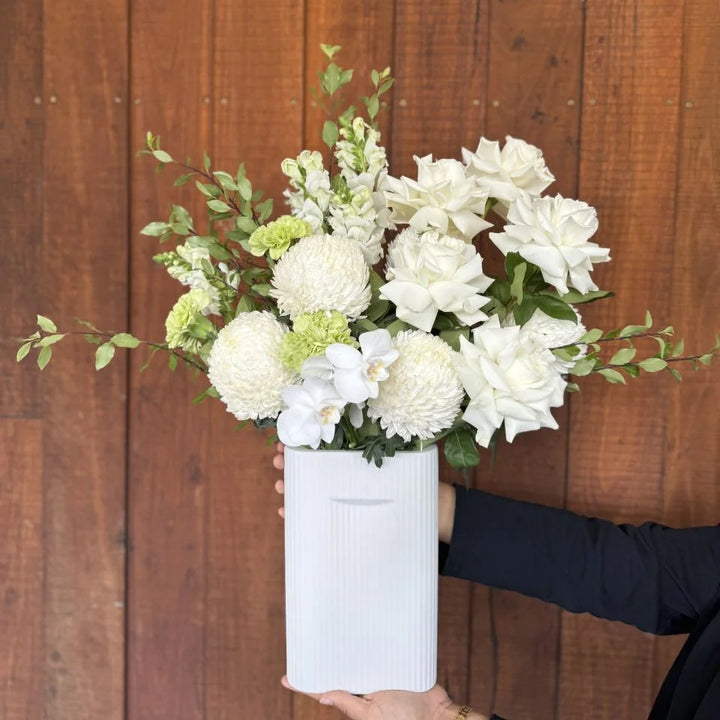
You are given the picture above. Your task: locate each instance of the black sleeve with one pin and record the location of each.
(654, 577)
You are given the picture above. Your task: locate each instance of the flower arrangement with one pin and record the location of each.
(364, 317)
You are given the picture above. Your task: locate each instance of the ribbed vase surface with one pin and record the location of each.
(361, 552)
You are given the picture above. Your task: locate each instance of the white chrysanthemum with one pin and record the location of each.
(322, 272)
(442, 197)
(518, 169)
(432, 272)
(509, 378)
(244, 366)
(422, 395)
(553, 233)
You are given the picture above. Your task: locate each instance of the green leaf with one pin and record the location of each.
(461, 449)
(226, 180)
(262, 289)
(612, 376)
(652, 364)
(264, 210)
(219, 252)
(211, 191)
(162, 156)
(575, 297)
(244, 188)
(397, 326)
(365, 325)
(330, 133)
(92, 339)
(675, 374)
(584, 366)
(678, 349)
(219, 206)
(245, 304)
(373, 106)
(206, 162)
(591, 336)
(103, 355)
(524, 311)
(516, 287)
(623, 356)
(44, 357)
(23, 351)
(706, 359)
(182, 179)
(330, 50)
(155, 229)
(246, 224)
(452, 337)
(572, 387)
(49, 340)
(124, 340)
(556, 308)
(630, 330)
(46, 324)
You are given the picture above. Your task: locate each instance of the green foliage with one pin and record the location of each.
(461, 451)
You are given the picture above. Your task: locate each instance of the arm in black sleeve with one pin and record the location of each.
(654, 577)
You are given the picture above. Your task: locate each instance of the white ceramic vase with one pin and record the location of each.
(361, 553)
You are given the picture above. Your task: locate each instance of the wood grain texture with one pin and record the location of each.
(691, 495)
(260, 124)
(631, 71)
(171, 87)
(534, 77)
(84, 274)
(21, 218)
(22, 578)
(440, 64)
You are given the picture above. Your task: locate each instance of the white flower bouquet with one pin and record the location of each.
(364, 317)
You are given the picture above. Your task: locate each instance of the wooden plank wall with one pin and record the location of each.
(140, 553)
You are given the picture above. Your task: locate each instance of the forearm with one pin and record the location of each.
(446, 511)
(653, 577)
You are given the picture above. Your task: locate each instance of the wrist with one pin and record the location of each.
(446, 512)
(459, 712)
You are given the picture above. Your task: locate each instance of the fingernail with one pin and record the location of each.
(326, 701)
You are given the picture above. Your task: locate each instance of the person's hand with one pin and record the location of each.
(446, 498)
(391, 704)
(278, 462)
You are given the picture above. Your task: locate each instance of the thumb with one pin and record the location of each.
(353, 706)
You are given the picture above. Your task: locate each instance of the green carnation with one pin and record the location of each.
(186, 327)
(311, 334)
(277, 235)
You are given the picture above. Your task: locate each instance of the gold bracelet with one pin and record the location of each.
(463, 712)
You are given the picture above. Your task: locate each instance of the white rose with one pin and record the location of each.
(553, 233)
(442, 198)
(517, 170)
(509, 379)
(432, 272)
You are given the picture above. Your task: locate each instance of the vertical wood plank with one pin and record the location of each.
(632, 69)
(534, 77)
(84, 274)
(438, 106)
(21, 495)
(364, 29)
(21, 570)
(21, 218)
(258, 122)
(171, 51)
(692, 454)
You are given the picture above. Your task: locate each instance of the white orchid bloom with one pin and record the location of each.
(357, 372)
(313, 410)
